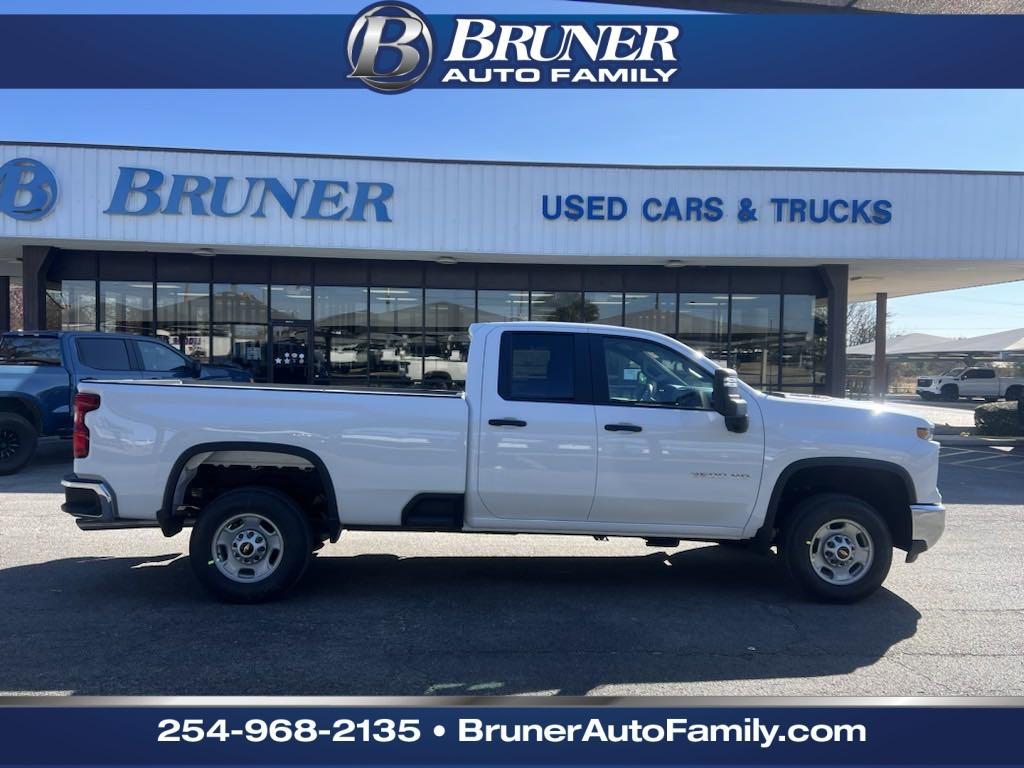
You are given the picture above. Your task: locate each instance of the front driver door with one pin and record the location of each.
(664, 456)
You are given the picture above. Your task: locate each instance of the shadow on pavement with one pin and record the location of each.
(43, 474)
(378, 624)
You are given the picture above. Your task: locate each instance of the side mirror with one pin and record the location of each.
(197, 368)
(727, 401)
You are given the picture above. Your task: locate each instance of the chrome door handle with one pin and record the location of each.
(623, 428)
(506, 422)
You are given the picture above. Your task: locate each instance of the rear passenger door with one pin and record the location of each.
(979, 382)
(537, 456)
(104, 358)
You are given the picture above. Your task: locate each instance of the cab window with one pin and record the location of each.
(640, 372)
(537, 366)
(160, 358)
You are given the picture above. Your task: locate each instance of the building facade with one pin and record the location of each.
(358, 271)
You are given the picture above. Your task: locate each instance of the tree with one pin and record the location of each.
(860, 324)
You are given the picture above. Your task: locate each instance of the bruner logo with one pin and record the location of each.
(28, 189)
(390, 47)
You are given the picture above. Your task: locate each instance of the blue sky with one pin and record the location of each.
(913, 129)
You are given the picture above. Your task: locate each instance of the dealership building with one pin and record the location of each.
(358, 270)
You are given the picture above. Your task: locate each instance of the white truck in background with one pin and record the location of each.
(562, 429)
(970, 382)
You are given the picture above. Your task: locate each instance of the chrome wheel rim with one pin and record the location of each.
(841, 552)
(247, 548)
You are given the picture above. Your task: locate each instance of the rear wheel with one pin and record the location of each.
(250, 545)
(950, 392)
(18, 440)
(837, 548)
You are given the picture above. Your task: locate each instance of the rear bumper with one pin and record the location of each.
(93, 505)
(928, 521)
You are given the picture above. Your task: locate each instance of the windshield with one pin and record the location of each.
(29, 350)
(954, 372)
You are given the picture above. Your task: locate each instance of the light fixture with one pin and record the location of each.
(675, 263)
(446, 260)
(204, 252)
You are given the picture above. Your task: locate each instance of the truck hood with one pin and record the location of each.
(837, 413)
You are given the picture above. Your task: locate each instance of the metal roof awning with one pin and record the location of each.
(925, 345)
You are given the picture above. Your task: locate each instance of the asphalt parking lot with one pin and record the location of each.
(406, 614)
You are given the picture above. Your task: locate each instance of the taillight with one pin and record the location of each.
(84, 403)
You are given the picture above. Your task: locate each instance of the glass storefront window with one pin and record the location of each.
(183, 317)
(503, 306)
(607, 306)
(802, 359)
(704, 324)
(561, 307)
(127, 307)
(447, 317)
(651, 312)
(241, 345)
(183, 302)
(291, 302)
(72, 307)
(396, 336)
(340, 343)
(239, 303)
(755, 339)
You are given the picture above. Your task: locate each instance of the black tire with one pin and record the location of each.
(287, 522)
(798, 541)
(950, 393)
(1014, 393)
(18, 441)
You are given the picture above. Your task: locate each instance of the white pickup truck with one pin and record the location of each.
(563, 429)
(970, 382)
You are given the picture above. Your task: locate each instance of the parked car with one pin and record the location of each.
(563, 428)
(39, 372)
(970, 382)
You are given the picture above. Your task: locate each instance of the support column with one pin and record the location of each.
(836, 278)
(5, 304)
(880, 376)
(35, 261)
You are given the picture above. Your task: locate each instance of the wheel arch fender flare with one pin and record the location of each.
(767, 530)
(30, 405)
(171, 524)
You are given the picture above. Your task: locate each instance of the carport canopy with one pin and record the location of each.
(1002, 344)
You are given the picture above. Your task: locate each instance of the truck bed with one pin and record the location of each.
(382, 448)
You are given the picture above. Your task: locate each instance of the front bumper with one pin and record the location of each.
(928, 521)
(93, 505)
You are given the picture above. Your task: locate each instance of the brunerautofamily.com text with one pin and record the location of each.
(751, 730)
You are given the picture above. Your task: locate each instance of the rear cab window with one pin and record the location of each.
(104, 354)
(540, 366)
(30, 350)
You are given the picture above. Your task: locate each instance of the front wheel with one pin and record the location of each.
(250, 545)
(950, 393)
(837, 548)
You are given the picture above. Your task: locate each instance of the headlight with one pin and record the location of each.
(925, 433)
